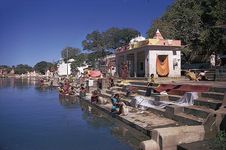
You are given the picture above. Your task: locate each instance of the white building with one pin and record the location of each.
(143, 57)
(63, 68)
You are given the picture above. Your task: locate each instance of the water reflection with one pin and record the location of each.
(22, 83)
(69, 101)
(99, 119)
(36, 114)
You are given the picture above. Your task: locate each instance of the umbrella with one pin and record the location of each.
(95, 73)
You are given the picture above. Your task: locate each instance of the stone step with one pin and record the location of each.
(106, 95)
(220, 78)
(199, 145)
(204, 102)
(213, 95)
(210, 76)
(209, 103)
(166, 97)
(119, 91)
(116, 88)
(188, 119)
(198, 111)
(141, 92)
(217, 89)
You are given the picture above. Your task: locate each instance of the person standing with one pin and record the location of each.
(212, 60)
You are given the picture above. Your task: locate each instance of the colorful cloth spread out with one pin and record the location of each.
(95, 73)
(162, 66)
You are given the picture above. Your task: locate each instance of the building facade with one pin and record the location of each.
(143, 57)
(64, 69)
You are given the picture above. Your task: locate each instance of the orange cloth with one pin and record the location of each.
(162, 67)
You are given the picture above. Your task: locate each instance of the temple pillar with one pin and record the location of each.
(146, 61)
(117, 65)
(135, 64)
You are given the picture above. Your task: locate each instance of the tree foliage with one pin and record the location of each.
(43, 66)
(22, 69)
(79, 60)
(69, 52)
(6, 68)
(102, 42)
(194, 23)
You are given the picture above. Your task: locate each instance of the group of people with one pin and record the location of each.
(66, 89)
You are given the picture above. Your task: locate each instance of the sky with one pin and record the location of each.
(37, 30)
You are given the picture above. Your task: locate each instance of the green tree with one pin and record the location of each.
(213, 14)
(79, 60)
(6, 68)
(95, 42)
(22, 69)
(193, 22)
(101, 43)
(115, 37)
(43, 66)
(69, 52)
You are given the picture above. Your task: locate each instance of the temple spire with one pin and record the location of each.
(158, 35)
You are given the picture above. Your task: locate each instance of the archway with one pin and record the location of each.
(162, 65)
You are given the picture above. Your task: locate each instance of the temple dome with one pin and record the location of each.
(137, 39)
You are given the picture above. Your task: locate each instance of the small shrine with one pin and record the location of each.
(143, 57)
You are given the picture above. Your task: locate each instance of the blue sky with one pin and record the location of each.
(36, 30)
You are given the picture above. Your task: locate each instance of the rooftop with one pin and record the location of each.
(157, 40)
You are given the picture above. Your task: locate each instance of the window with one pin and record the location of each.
(174, 52)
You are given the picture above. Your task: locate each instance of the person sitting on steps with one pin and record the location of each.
(116, 104)
(150, 85)
(95, 97)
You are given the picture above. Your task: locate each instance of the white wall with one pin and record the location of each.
(62, 69)
(173, 71)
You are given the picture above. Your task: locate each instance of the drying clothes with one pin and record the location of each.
(186, 100)
(146, 102)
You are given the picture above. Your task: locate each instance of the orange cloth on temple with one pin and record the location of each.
(162, 67)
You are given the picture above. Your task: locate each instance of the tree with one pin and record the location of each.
(115, 37)
(22, 69)
(193, 22)
(69, 52)
(43, 66)
(6, 68)
(95, 42)
(102, 42)
(79, 60)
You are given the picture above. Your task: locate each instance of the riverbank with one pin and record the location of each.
(183, 124)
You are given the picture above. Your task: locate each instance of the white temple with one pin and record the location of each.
(64, 69)
(143, 57)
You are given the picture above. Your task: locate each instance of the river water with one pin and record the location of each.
(33, 118)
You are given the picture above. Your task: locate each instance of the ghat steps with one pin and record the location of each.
(172, 115)
(187, 115)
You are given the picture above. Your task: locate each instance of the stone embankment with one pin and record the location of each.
(173, 125)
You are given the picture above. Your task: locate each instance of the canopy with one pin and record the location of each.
(95, 73)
